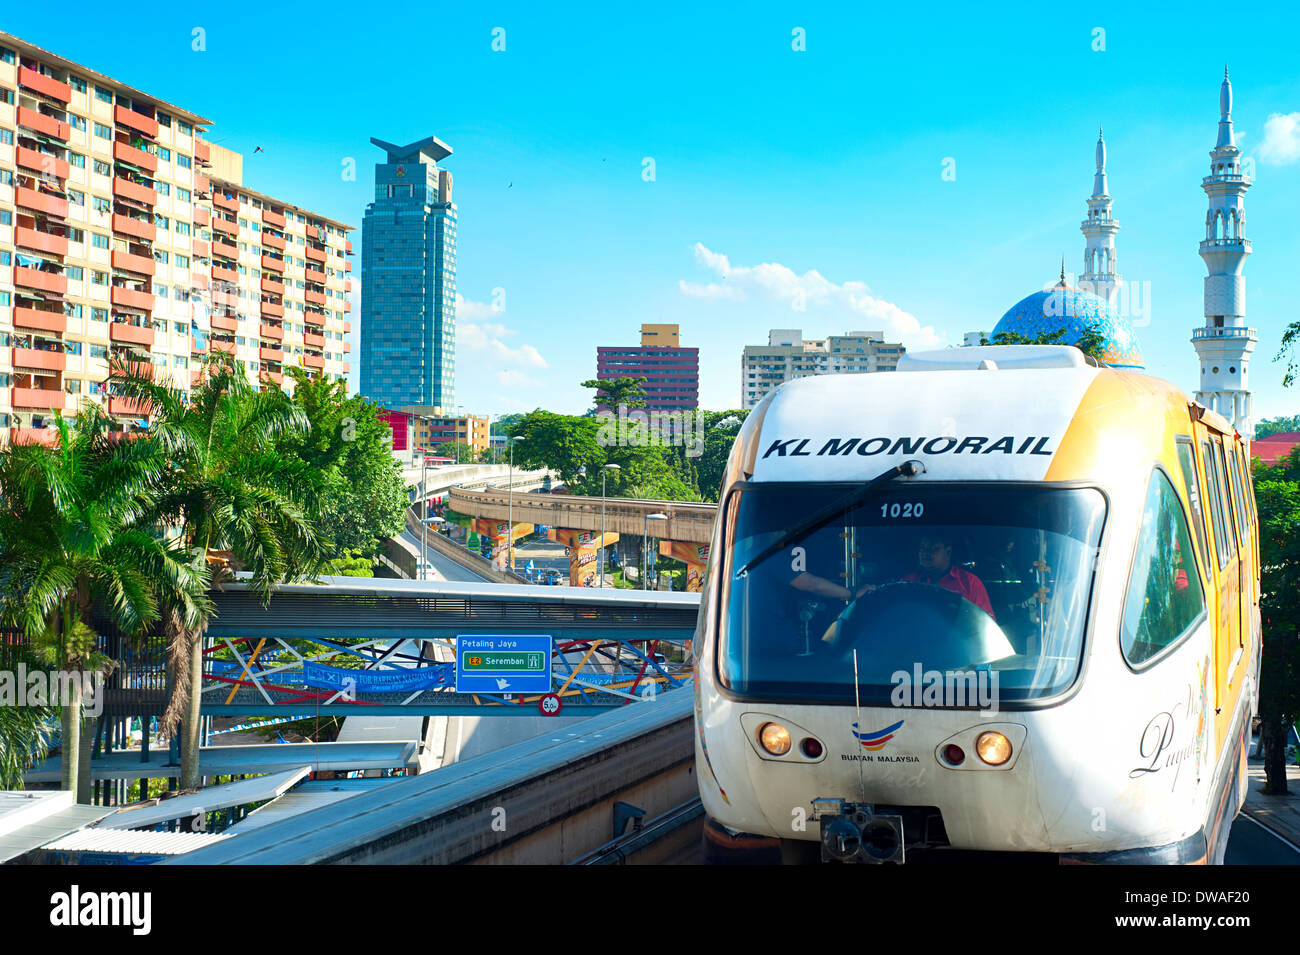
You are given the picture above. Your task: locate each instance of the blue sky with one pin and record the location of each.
(769, 163)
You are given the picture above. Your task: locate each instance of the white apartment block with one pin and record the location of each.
(788, 355)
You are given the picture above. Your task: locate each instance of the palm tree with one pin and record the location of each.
(72, 536)
(24, 730)
(239, 503)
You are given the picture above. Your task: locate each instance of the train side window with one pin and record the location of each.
(1192, 485)
(1240, 496)
(1230, 525)
(1217, 517)
(1164, 597)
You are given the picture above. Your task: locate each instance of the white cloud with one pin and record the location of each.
(510, 378)
(1281, 145)
(779, 283)
(485, 336)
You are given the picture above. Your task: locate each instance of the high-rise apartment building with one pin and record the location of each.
(672, 373)
(788, 355)
(110, 243)
(280, 278)
(408, 279)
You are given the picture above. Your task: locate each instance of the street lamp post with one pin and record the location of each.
(603, 471)
(645, 553)
(510, 507)
(424, 514)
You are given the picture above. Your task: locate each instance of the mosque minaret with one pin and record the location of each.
(1100, 276)
(1224, 343)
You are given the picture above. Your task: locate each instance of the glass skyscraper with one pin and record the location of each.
(408, 280)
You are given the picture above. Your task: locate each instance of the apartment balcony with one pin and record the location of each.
(49, 437)
(38, 361)
(313, 339)
(315, 275)
(347, 306)
(347, 327)
(39, 398)
(225, 275)
(47, 85)
(221, 323)
(270, 354)
(137, 121)
(314, 361)
(202, 217)
(26, 198)
(275, 376)
(348, 245)
(129, 334)
(347, 266)
(227, 250)
(223, 201)
(128, 406)
(134, 191)
(315, 254)
(274, 286)
(139, 264)
(314, 318)
(44, 124)
(347, 346)
(219, 346)
(35, 318)
(274, 219)
(40, 241)
(202, 151)
(314, 298)
(273, 332)
(196, 378)
(200, 249)
(272, 310)
(272, 241)
(202, 185)
(127, 153)
(138, 228)
(41, 281)
(120, 295)
(347, 367)
(223, 297)
(46, 163)
(269, 262)
(225, 226)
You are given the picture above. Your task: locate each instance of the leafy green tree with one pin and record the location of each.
(361, 494)
(1091, 342)
(1281, 425)
(1277, 498)
(239, 500)
(457, 451)
(618, 392)
(24, 730)
(74, 534)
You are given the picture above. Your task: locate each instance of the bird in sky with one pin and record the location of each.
(258, 150)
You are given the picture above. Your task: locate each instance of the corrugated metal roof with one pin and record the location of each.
(131, 842)
(288, 805)
(48, 826)
(238, 793)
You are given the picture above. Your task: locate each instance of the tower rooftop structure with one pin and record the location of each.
(1224, 343)
(1100, 261)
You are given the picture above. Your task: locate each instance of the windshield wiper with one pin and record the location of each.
(906, 469)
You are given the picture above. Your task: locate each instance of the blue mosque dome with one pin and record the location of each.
(1075, 311)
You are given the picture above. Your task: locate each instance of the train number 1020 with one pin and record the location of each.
(902, 510)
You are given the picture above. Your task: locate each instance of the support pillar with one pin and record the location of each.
(583, 549)
(694, 556)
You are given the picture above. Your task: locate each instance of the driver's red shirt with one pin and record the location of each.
(958, 581)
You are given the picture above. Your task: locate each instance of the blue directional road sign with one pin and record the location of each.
(503, 663)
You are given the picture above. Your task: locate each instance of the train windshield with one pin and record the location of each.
(986, 587)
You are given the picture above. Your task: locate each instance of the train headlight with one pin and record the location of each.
(993, 748)
(775, 738)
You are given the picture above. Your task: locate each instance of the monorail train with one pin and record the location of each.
(1003, 600)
